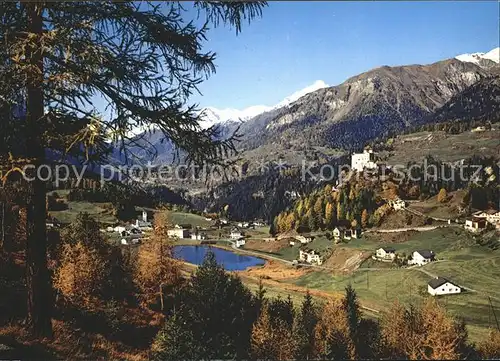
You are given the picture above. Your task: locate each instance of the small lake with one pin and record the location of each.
(229, 260)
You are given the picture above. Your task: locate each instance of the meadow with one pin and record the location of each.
(460, 260)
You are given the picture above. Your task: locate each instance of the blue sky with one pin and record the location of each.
(297, 43)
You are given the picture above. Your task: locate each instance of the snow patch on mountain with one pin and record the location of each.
(493, 55)
(212, 116)
(318, 84)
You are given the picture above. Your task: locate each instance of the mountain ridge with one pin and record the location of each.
(212, 115)
(381, 101)
(368, 105)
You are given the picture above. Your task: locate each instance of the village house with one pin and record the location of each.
(180, 231)
(239, 242)
(360, 161)
(422, 257)
(198, 236)
(130, 241)
(236, 233)
(303, 239)
(441, 286)
(475, 224)
(478, 129)
(397, 204)
(135, 231)
(386, 253)
(119, 229)
(491, 216)
(246, 225)
(340, 233)
(310, 256)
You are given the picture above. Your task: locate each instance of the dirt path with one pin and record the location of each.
(406, 229)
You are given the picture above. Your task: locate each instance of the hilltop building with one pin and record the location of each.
(360, 161)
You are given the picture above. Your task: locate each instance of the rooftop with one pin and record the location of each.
(426, 253)
(389, 249)
(438, 282)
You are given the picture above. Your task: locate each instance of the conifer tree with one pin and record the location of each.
(143, 60)
(304, 328)
(442, 195)
(445, 337)
(219, 310)
(332, 340)
(329, 216)
(489, 348)
(157, 270)
(364, 218)
(350, 304)
(340, 211)
(271, 339)
(282, 310)
(175, 341)
(312, 220)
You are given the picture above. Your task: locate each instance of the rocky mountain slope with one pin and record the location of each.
(370, 105)
(374, 104)
(480, 101)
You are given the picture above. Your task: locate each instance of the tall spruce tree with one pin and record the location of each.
(142, 60)
(304, 329)
(219, 310)
(351, 307)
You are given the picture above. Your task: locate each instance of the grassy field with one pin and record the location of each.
(101, 214)
(258, 232)
(96, 210)
(463, 262)
(446, 147)
(289, 253)
(188, 218)
(432, 208)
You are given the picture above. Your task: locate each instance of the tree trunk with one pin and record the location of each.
(37, 276)
(2, 242)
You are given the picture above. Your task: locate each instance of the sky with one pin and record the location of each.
(295, 44)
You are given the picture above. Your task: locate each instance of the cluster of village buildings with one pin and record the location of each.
(436, 286)
(481, 219)
(236, 235)
(131, 233)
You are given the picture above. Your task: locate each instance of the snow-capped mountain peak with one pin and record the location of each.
(213, 115)
(493, 55)
(318, 84)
